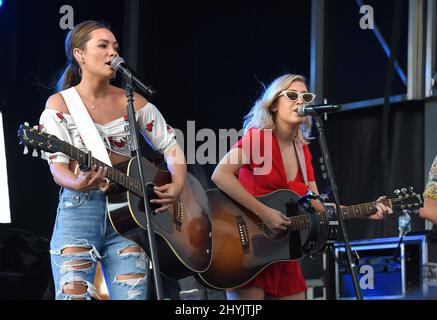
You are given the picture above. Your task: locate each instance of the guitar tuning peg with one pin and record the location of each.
(35, 127)
(26, 150)
(26, 124)
(411, 189)
(397, 192)
(35, 153)
(404, 190)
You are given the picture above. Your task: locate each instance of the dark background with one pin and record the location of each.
(209, 61)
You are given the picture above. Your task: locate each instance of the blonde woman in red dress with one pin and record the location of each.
(242, 176)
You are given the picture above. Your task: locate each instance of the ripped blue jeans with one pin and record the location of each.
(82, 223)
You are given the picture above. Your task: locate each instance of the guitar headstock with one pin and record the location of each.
(31, 136)
(407, 199)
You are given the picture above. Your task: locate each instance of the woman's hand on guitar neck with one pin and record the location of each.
(167, 194)
(381, 209)
(275, 220)
(92, 179)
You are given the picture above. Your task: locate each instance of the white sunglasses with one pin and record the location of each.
(291, 95)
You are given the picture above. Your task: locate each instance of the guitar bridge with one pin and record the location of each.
(242, 232)
(179, 214)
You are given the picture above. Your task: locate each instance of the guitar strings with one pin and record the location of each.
(298, 220)
(129, 180)
(302, 220)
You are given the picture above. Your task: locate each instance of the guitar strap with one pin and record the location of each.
(85, 125)
(298, 147)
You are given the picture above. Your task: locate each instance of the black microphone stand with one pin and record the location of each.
(135, 147)
(330, 175)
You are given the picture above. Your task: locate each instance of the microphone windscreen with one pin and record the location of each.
(116, 62)
(301, 111)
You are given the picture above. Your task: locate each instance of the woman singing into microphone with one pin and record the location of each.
(239, 176)
(82, 234)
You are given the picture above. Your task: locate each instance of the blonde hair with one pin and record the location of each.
(76, 38)
(261, 115)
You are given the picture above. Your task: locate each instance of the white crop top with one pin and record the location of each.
(159, 135)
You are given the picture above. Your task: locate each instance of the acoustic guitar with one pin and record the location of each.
(182, 233)
(243, 246)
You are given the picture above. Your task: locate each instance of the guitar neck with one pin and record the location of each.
(363, 210)
(113, 174)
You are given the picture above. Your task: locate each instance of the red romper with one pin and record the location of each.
(280, 279)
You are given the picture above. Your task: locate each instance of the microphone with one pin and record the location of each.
(118, 64)
(315, 110)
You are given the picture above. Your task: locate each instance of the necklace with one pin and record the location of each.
(98, 102)
(90, 106)
(94, 105)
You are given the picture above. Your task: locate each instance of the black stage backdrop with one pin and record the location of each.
(355, 148)
(208, 60)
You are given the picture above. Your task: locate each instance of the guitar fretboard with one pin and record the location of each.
(113, 174)
(301, 222)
